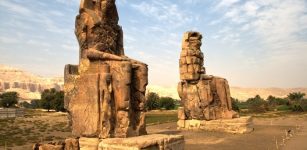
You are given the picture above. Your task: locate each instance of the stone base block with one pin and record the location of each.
(88, 143)
(237, 125)
(146, 142)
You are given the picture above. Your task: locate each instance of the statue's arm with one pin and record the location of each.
(120, 43)
(98, 55)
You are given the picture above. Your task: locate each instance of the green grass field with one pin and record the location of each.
(153, 119)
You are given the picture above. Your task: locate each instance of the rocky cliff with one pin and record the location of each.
(28, 85)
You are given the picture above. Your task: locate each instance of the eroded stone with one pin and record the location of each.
(105, 93)
(203, 97)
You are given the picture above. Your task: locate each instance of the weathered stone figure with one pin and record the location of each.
(104, 95)
(203, 97)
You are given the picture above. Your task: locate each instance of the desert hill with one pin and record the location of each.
(29, 86)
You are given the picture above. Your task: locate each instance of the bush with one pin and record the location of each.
(167, 103)
(296, 96)
(274, 101)
(8, 99)
(25, 105)
(283, 107)
(299, 106)
(152, 101)
(36, 103)
(257, 104)
(235, 104)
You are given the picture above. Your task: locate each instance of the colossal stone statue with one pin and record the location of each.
(203, 97)
(104, 94)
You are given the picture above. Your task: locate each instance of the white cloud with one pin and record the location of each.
(16, 8)
(37, 43)
(167, 13)
(227, 3)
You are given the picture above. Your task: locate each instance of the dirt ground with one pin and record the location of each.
(269, 129)
(267, 132)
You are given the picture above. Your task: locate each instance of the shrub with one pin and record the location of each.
(283, 107)
(257, 104)
(296, 96)
(25, 105)
(235, 104)
(275, 101)
(299, 106)
(167, 103)
(36, 103)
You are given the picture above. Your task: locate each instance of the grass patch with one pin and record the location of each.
(152, 119)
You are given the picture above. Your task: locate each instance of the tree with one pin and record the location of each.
(8, 99)
(257, 104)
(235, 104)
(275, 101)
(297, 102)
(58, 102)
(167, 103)
(152, 101)
(296, 96)
(36, 103)
(52, 99)
(25, 104)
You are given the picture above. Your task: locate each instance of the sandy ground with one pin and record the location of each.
(267, 132)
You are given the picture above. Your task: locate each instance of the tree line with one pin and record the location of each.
(294, 102)
(155, 102)
(51, 99)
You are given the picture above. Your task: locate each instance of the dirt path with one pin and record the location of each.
(267, 132)
(298, 142)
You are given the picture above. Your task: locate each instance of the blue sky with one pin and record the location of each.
(261, 43)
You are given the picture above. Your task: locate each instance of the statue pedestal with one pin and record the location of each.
(237, 125)
(145, 142)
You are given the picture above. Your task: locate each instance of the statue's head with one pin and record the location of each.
(106, 9)
(192, 40)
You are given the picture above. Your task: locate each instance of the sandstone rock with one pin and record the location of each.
(49, 146)
(88, 143)
(203, 97)
(152, 142)
(105, 93)
(235, 125)
(181, 114)
(72, 144)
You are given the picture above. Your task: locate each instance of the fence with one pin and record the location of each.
(11, 113)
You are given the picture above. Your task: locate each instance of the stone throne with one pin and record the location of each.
(105, 93)
(205, 98)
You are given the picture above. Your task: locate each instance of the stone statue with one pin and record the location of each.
(105, 93)
(203, 97)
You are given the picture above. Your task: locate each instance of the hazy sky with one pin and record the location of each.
(259, 43)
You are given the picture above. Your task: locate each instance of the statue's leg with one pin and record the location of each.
(105, 90)
(138, 89)
(121, 82)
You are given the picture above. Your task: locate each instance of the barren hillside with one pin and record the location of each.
(28, 85)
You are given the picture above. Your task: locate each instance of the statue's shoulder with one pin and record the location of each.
(86, 15)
